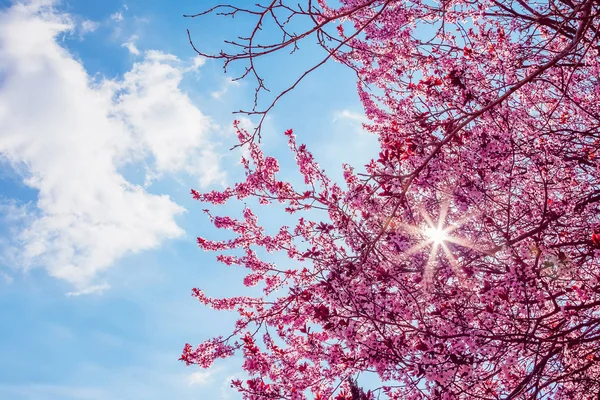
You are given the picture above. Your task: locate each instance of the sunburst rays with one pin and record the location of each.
(437, 235)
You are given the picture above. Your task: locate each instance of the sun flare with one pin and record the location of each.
(440, 236)
(436, 235)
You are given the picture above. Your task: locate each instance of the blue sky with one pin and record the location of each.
(107, 119)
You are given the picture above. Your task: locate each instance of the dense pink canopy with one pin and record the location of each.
(463, 261)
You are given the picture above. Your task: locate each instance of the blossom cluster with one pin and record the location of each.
(487, 115)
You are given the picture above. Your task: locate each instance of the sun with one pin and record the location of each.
(436, 235)
(440, 237)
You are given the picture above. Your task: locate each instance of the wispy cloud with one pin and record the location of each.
(202, 378)
(88, 26)
(348, 115)
(197, 62)
(227, 85)
(89, 290)
(130, 45)
(117, 16)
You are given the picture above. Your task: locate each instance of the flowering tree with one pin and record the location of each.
(464, 262)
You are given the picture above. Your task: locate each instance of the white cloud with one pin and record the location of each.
(228, 84)
(117, 17)
(88, 26)
(164, 119)
(130, 45)
(201, 378)
(351, 116)
(89, 290)
(73, 134)
(197, 62)
(13, 212)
